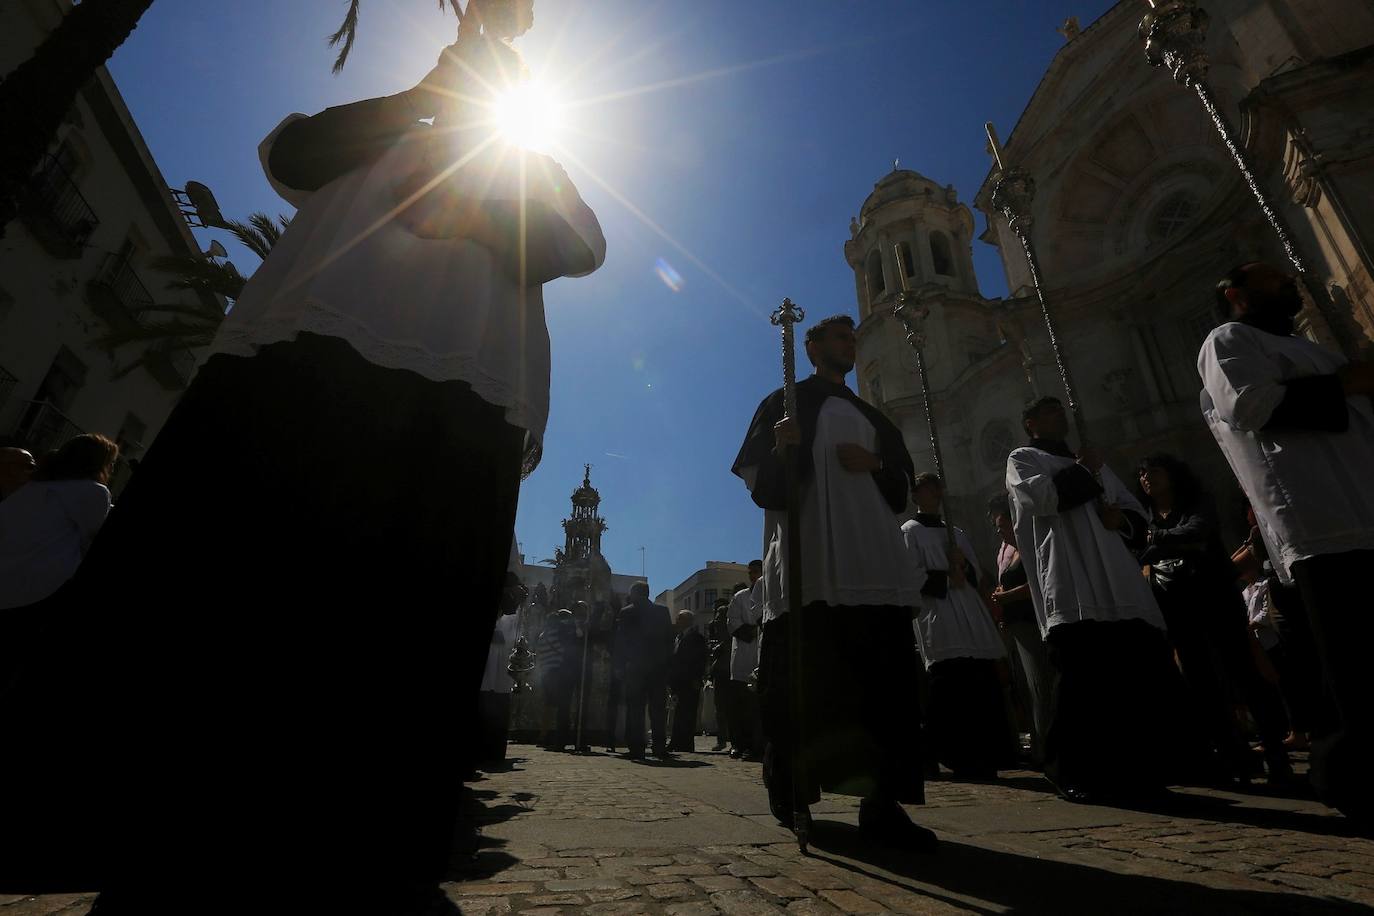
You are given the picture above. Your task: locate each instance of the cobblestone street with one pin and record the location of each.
(564, 834)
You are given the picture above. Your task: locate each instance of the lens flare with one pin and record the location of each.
(670, 277)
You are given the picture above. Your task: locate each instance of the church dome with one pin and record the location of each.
(899, 184)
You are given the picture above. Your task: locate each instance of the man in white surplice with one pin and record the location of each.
(965, 714)
(742, 621)
(1295, 422)
(855, 656)
(1105, 633)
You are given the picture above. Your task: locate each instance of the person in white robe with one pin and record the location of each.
(1117, 691)
(1295, 422)
(743, 620)
(966, 722)
(836, 716)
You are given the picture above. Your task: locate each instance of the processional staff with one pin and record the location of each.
(787, 316)
(913, 318)
(1013, 195)
(1174, 32)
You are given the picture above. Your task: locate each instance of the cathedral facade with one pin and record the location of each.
(1139, 210)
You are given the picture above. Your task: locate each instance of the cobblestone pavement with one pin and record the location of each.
(565, 834)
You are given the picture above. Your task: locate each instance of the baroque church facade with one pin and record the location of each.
(1139, 209)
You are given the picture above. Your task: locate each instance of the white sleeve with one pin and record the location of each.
(88, 509)
(557, 191)
(915, 555)
(738, 614)
(1031, 487)
(1244, 383)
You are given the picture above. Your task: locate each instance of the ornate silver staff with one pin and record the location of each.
(1013, 195)
(913, 318)
(1174, 32)
(786, 316)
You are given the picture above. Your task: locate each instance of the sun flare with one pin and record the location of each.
(530, 116)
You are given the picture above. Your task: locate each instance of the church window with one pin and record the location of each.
(941, 255)
(1172, 215)
(995, 444)
(1195, 326)
(874, 271)
(908, 262)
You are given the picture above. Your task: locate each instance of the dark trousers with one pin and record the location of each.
(1117, 728)
(277, 699)
(615, 696)
(839, 705)
(685, 718)
(1298, 663)
(561, 692)
(493, 726)
(641, 692)
(966, 717)
(1343, 629)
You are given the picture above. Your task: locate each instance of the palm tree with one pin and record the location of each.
(192, 326)
(36, 95)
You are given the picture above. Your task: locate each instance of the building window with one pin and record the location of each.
(1194, 328)
(1172, 215)
(711, 594)
(875, 389)
(995, 444)
(941, 255)
(874, 272)
(908, 262)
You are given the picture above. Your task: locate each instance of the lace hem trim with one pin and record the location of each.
(316, 319)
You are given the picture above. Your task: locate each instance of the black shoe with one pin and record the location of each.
(736, 753)
(787, 817)
(886, 823)
(1076, 795)
(663, 754)
(634, 755)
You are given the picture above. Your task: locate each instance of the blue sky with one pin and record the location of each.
(770, 123)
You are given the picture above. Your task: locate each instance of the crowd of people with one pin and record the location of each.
(1115, 629)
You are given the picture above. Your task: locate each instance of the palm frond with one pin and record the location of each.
(348, 31)
(345, 36)
(201, 275)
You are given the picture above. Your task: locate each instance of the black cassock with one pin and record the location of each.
(858, 729)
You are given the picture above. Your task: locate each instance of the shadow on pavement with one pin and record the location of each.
(1206, 807)
(1007, 882)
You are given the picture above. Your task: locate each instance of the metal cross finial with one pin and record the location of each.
(1175, 32)
(787, 316)
(1013, 195)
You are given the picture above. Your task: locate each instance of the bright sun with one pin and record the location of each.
(529, 116)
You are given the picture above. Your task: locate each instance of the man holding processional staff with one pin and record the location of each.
(854, 660)
(377, 390)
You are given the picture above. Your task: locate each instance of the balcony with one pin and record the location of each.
(171, 364)
(43, 428)
(118, 296)
(55, 212)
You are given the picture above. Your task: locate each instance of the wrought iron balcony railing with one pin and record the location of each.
(118, 295)
(56, 212)
(42, 428)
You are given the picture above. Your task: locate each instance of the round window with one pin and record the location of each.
(995, 444)
(1173, 214)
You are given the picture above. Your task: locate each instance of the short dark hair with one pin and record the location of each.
(926, 477)
(758, 563)
(89, 456)
(640, 588)
(1235, 279)
(737, 588)
(1033, 408)
(817, 330)
(999, 504)
(1188, 489)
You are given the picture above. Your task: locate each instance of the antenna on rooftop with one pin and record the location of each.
(197, 204)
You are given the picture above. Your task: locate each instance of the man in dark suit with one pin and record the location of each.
(644, 644)
(685, 672)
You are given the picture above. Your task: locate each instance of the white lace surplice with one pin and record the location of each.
(958, 625)
(1076, 568)
(852, 548)
(442, 308)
